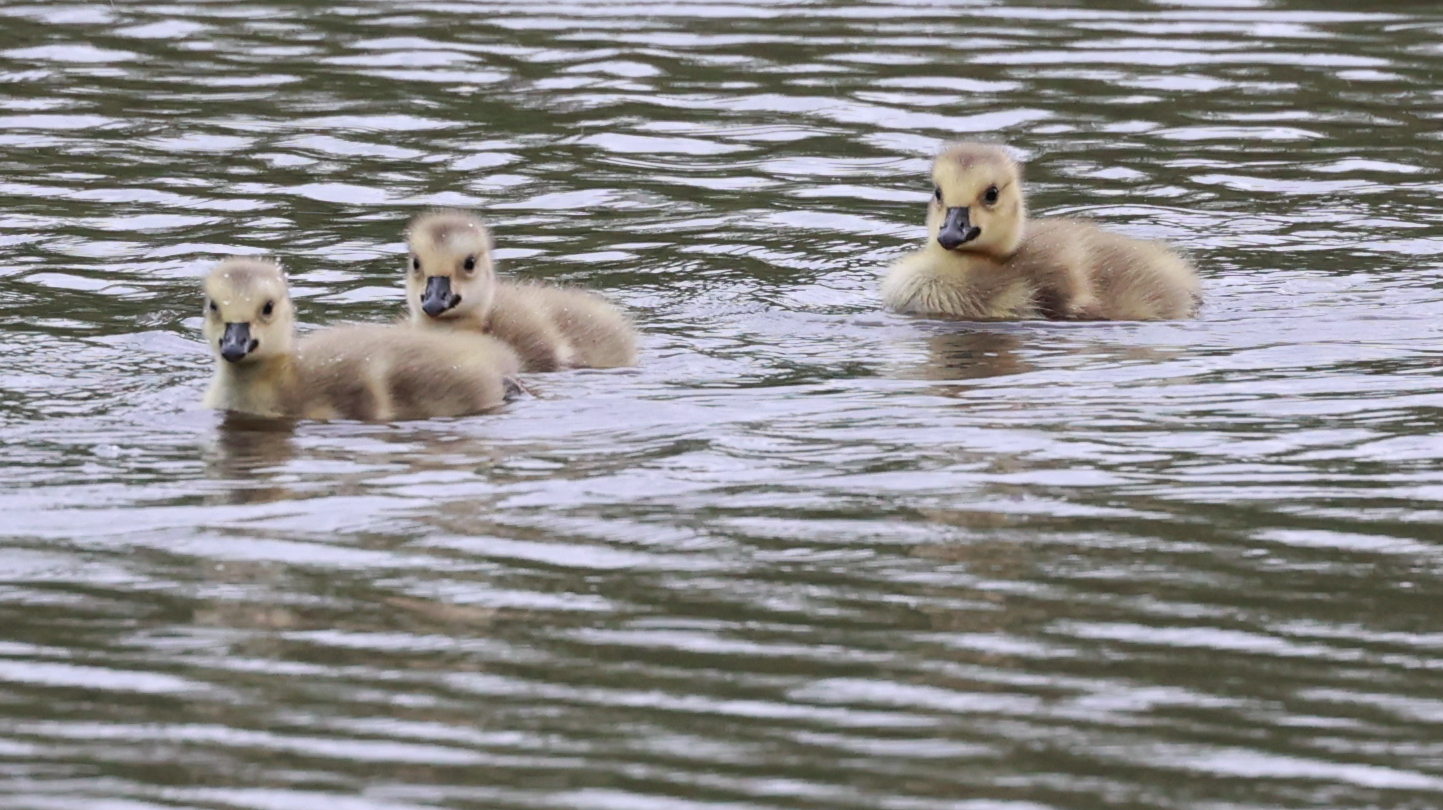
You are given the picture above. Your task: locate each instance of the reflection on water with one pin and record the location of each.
(249, 450)
(809, 554)
(975, 354)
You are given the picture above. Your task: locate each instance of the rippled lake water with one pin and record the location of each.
(809, 554)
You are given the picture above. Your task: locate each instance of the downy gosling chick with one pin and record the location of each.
(451, 282)
(985, 260)
(367, 372)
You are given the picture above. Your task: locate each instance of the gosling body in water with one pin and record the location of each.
(451, 283)
(985, 260)
(368, 372)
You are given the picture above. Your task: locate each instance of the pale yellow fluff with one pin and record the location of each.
(365, 372)
(1017, 268)
(550, 327)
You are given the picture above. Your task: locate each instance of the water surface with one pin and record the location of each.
(809, 554)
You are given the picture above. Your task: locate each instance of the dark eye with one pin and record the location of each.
(416, 263)
(213, 307)
(268, 308)
(469, 264)
(990, 196)
(937, 193)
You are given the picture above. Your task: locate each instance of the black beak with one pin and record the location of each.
(438, 297)
(236, 342)
(957, 229)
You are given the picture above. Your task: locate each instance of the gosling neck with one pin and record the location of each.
(262, 387)
(960, 261)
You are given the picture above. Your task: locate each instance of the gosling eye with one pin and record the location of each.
(416, 263)
(990, 196)
(937, 193)
(268, 309)
(469, 264)
(211, 305)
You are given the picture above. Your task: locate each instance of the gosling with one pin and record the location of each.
(372, 373)
(985, 260)
(452, 283)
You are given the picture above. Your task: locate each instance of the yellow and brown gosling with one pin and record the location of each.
(368, 372)
(985, 260)
(451, 282)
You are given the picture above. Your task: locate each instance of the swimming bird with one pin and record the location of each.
(985, 260)
(451, 282)
(367, 372)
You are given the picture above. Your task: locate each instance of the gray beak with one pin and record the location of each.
(236, 342)
(957, 229)
(437, 297)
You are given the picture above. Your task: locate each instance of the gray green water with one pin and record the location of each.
(809, 555)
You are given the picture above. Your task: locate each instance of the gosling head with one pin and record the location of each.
(248, 315)
(977, 203)
(450, 273)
